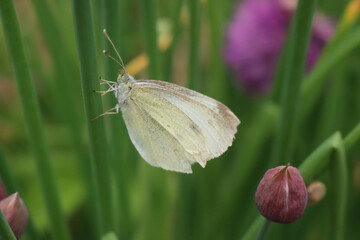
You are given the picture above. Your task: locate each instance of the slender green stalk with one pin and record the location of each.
(195, 30)
(175, 30)
(68, 109)
(338, 190)
(330, 57)
(332, 108)
(5, 175)
(217, 85)
(318, 159)
(254, 229)
(33, 120)
(117, 138)
(93, 108)
(149, 19)
(352, 138)
(279, 77)
(5, 231)
(264, 230)
(293, 76)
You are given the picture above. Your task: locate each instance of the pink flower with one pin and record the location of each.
(255, 37)
(281, 195)
(15, 213)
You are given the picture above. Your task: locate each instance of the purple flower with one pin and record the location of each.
(255, 37)
(15, 213)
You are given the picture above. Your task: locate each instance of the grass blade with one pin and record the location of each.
(352, 138)
(149, 18)
(298, 44)
(33, 120)
(175, 30)
(5, 231)
(195, 30)
(338, 190)
(93, 108)
(111, 22)
(330, 58)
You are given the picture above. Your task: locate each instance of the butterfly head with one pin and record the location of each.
(124, 77)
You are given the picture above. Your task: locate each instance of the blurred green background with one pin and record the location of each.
(216, 202)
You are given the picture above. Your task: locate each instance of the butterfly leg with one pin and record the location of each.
(116, 108)
(106, 81)
(111, 89)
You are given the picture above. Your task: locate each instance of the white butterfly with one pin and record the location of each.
(172, 127)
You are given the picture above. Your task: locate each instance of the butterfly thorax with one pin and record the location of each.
(123, 87)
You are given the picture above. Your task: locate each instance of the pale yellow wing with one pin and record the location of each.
(173, 127)
(217, 123)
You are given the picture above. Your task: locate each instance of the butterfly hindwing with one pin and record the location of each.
(173, 127)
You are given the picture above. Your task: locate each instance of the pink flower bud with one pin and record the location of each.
(3, 193)
(281, 195)
(15, 213)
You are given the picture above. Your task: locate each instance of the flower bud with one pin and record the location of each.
(281, 195)
(15, 213)
(316, 192)
(3, 193)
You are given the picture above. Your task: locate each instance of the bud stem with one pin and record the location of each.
(5, 231)
(263, 232)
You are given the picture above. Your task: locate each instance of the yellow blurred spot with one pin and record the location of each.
(349, 16)
(352, 10)
(138, 64)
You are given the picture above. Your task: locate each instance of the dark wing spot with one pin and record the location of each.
(195, 128)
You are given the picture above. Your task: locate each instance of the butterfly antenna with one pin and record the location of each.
(107, 54)
(122, 63)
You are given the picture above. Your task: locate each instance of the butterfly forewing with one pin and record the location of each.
(175, 126)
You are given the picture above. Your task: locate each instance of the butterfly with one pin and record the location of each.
(171, 127)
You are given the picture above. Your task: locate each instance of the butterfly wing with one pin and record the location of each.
(173, 127)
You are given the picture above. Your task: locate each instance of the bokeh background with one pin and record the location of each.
(228, 50)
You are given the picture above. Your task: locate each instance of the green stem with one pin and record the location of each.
(338, 191)
(5, 174)
(352, 138)
(264, 230)
(111, 21)
(68, 109)
(333, 108)
(175, 30)
(217, 86)
(149, 19)
(93, 108)
(33, 120)
(330, 57)
(254, 229)
(195, 30)
(5, 231)
(298, 44)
